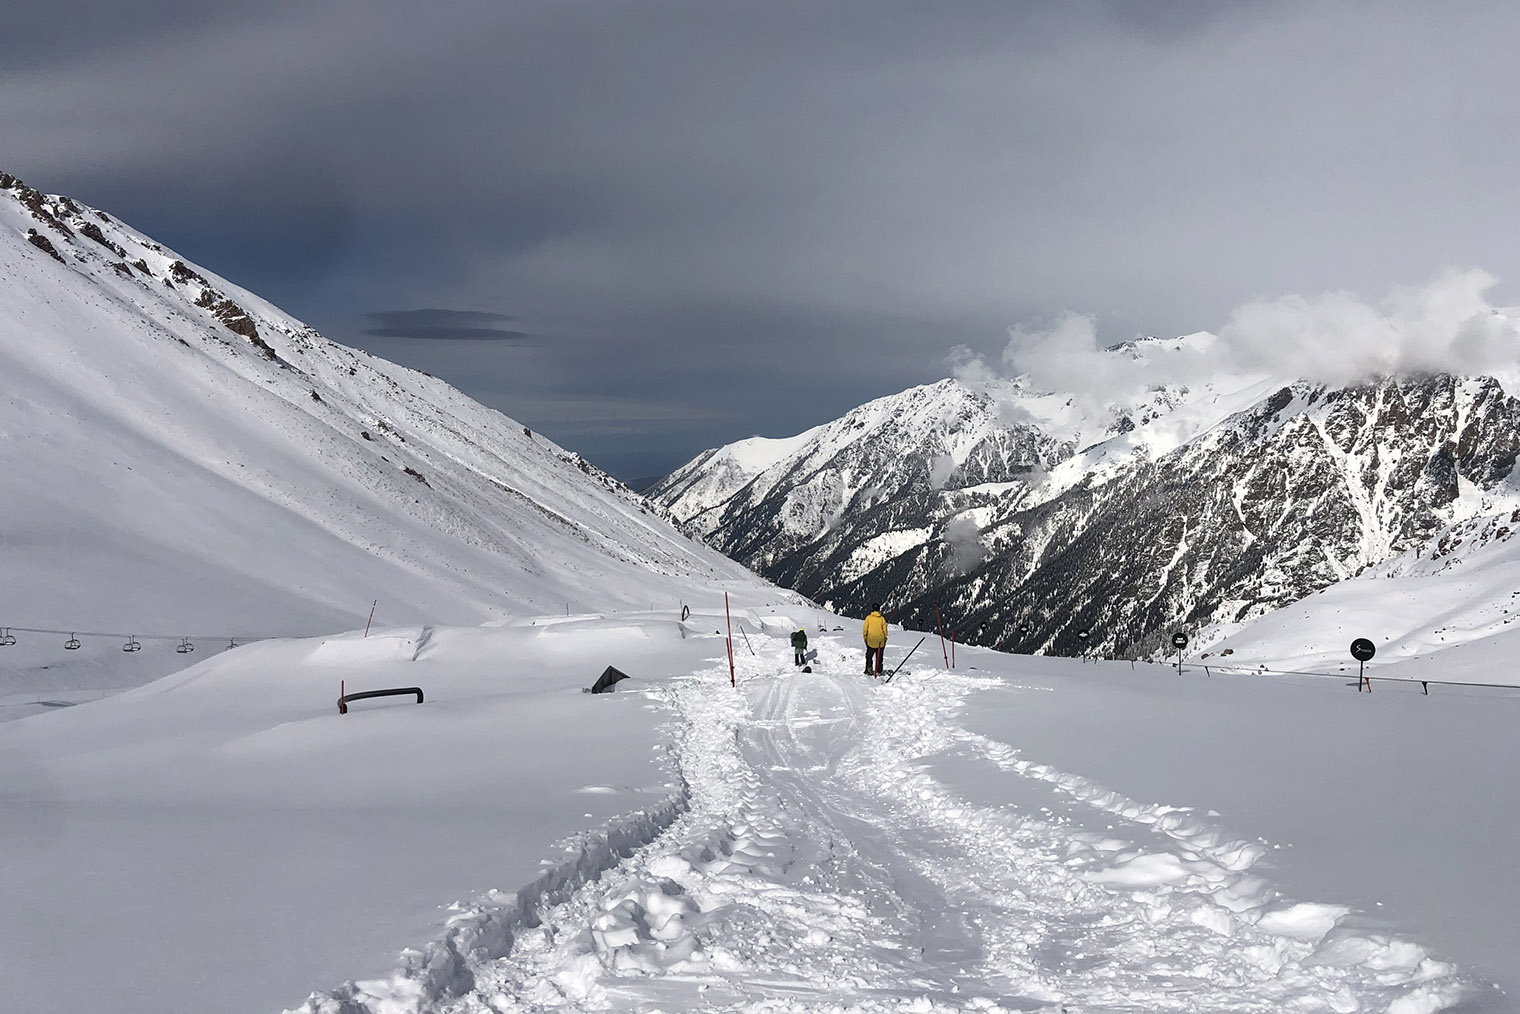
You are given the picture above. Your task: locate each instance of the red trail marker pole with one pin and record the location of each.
(952, 649)
(729, 617)
(371, 619)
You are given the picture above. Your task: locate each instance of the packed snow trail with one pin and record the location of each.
(820, 867)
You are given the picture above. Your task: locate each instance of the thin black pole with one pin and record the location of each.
(905, 660)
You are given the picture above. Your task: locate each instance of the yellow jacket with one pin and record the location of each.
(876, 631)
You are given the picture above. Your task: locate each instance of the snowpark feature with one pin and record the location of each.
(1025, 834)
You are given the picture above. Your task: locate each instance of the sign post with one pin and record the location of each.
(1362, 650)
(1179, 641)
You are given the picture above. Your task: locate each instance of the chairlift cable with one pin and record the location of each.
(240, 638)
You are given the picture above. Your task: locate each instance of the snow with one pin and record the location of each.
(1021, 834)
(757, 454)
(225, 825)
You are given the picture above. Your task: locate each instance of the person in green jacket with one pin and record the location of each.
(799, 645)
(875, 633)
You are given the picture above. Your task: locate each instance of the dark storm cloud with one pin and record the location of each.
(43, 33)
(720, 204)
(1169, 20)
(448, 325)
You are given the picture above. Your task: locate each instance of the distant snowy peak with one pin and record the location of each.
(162, 419)
(960, 434)
(716, 474)
(1141, 348)
(947, 424)
(1177, 382)
(935, 435)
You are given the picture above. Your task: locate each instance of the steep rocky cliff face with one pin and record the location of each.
(1025, 542)
(1308, 488)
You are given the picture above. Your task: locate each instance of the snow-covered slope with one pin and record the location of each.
(180, 458)
(1025, 834)
(1445, 609)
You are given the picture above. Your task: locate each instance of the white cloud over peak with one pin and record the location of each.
(1444, 325)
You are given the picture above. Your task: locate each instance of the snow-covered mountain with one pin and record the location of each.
(181, 457)
(1029, 518)
(715, 475)
(877, 469)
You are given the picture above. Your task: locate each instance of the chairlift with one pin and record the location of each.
(185, 647)
(132, 644)
(6, 637)
(231, 643)
(72, 644)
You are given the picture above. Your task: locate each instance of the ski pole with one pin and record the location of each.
(905, 660)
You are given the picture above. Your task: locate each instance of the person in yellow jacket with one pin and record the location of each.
(876, 640)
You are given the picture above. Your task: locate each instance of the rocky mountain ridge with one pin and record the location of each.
(1200, 509)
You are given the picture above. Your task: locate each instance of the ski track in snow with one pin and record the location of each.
(817, 866)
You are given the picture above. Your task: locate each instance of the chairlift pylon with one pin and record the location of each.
(132, 644)
(72, 644)
(185, 647)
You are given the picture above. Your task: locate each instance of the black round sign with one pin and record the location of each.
(1179, 640)
(1082, 634)
(1362, 649)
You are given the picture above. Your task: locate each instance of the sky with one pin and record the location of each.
(647, 228)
